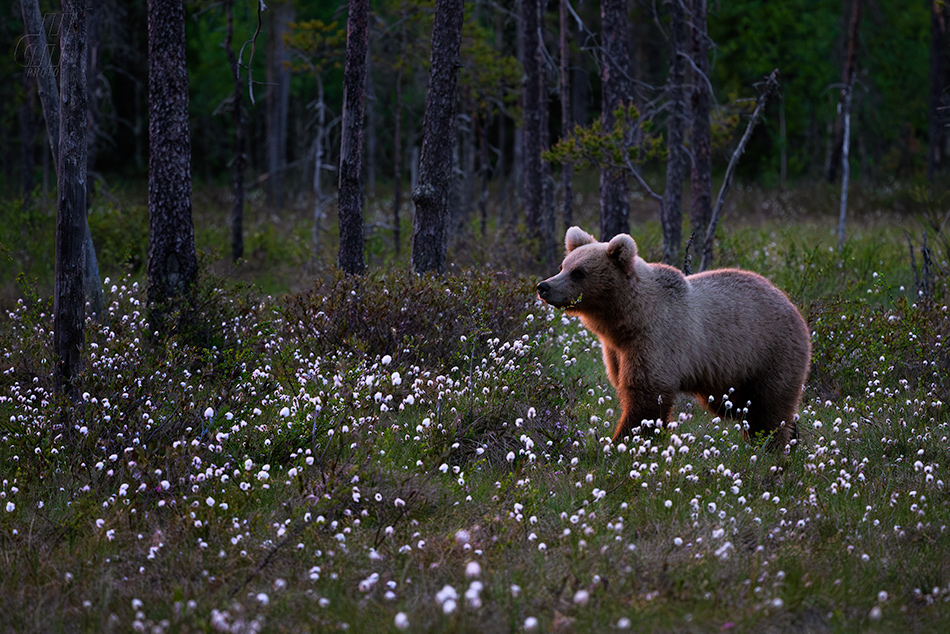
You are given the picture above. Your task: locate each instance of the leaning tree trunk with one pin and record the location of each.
(172, 262)
(431, 196)
(351, 259)
(614, 191)
(678, 160)
(49, 100)
(701, 178)
(71, 207)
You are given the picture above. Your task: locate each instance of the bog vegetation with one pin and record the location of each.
(430, 454)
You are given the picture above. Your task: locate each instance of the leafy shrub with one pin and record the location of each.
(414, 319)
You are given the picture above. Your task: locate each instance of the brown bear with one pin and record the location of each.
(728, 336)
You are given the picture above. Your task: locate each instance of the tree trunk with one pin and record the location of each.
(172, 262)
(614, 191)
(397, 165)
(548, 244)
(531, 173)
(678, 160)
(701, 178)
(237, 210)
(40, 61)
(71, 206)
(567, 118)
(318, 197)
(278, 99)
(845, 164)
(431, 197)
(484, 168)
(351, 259)
(852, 16)
(939, 112)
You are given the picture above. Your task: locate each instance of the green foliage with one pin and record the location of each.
(320, 46)
(630, 141)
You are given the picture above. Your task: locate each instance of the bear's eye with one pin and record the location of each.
(578, 275)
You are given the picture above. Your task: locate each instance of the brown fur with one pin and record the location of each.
(664, 333)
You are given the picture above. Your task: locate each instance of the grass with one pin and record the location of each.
(429, 454)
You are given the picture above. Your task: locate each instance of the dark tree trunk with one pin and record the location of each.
(351, 258)
(237, 210)
(567, 118)
(71, 206)
(548, 244)
(678, 160)
(278, 99)
(614, 192)
(172, 262)
(701, 179)
(431, 197)
(852, 16)
(939, 113)
(49, 99)
(531, 173)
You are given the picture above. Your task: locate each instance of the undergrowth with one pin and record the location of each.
(396, 452)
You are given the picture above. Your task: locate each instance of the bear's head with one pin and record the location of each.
(592, 272)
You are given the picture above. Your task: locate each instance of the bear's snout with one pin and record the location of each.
(543, 289)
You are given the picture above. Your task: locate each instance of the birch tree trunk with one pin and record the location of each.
(431, 196)
(351, 258)
(852, 16)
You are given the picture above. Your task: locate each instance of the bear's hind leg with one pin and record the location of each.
(638, 408)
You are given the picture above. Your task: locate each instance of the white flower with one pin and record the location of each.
(10, 507)
(386, 360)
(367, 584)
(401, 620)
(472, 570)
(209, 501)
(285, 412)
(209, 413)
(581, 597)
(531, 623)
(262, 598)
(623, 623)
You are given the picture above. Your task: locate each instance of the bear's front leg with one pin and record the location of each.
(639, 406)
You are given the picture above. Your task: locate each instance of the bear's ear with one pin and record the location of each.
(577, 237)
(622, 249)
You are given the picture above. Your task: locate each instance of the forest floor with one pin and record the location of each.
(393, 452)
